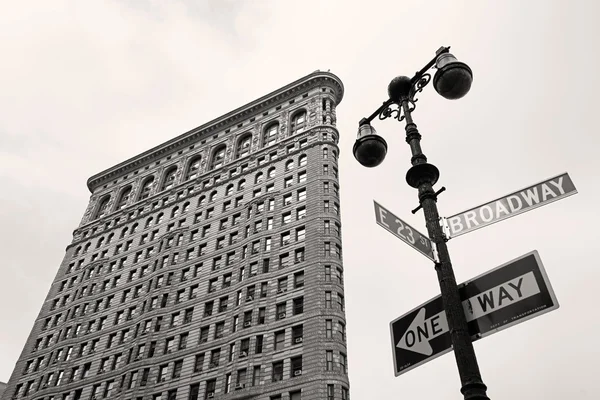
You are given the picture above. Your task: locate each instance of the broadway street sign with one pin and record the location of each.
(403, 231)
(500, 298)
(515, 203)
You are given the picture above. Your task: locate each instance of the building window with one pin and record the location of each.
(327, 299)
(299, 279)
(210, 388)
(285, 238)
(124, 198)
(328, 328)
(302, 160)
(199, 362)
(298, 122)
(330, 392)
(258, 178)
(256, 375)
(340, 300)
(103, 207)
(218, 157)
(287, 182)
(328, 273)
(270, 135)
(169, 179)
(279, 340)
(345, 394)
(302, 177)
(296, 366)
(297, 334)
(301, 194)
(280, 311)
(193, 168)
(243, 147)
(343, 363)
(271, 173)
(277, 371)
(329, 360)
(289, 165)
(215, 356)
(146, 188)
(300, 234)
(298, 305)
(259, 344)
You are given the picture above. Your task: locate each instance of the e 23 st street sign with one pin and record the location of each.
(498, 299)
(535, 196)
(403, 231)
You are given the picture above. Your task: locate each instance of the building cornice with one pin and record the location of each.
(317, 78)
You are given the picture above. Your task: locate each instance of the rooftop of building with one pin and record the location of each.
(223, 122)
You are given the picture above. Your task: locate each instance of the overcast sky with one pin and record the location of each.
(85, 85)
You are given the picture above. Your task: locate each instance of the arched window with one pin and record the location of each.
(302, 160)
(159, 218)
(86, 247)
(124, 232)
(298, 122)
(218, 157)
(213, 196)
(270, 135)
(102, 207)
(169, 180)
(229, 189)
(109, 239)
(100, 242)
(175, 212)
(186, 207)
(124, 198)
(148, 222)
(243, 146)
(289, 165)
(241, 184)
(201, 201)
(258, 178)
(133, 228)
(193, 169)
(271, 172)
(146, 188)
(77, 251)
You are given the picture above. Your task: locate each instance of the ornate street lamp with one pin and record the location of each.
(452, 80)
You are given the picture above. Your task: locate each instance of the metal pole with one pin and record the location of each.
(424, 177)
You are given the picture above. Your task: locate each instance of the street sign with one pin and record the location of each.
(535, 196)
(498, 299)
(404, 231)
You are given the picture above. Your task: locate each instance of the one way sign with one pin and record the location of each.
(509, 294)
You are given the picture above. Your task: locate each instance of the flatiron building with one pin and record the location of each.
(208, 267)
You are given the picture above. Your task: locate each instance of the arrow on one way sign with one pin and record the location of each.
(421, 331)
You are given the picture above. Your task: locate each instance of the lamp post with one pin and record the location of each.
(452, 80)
